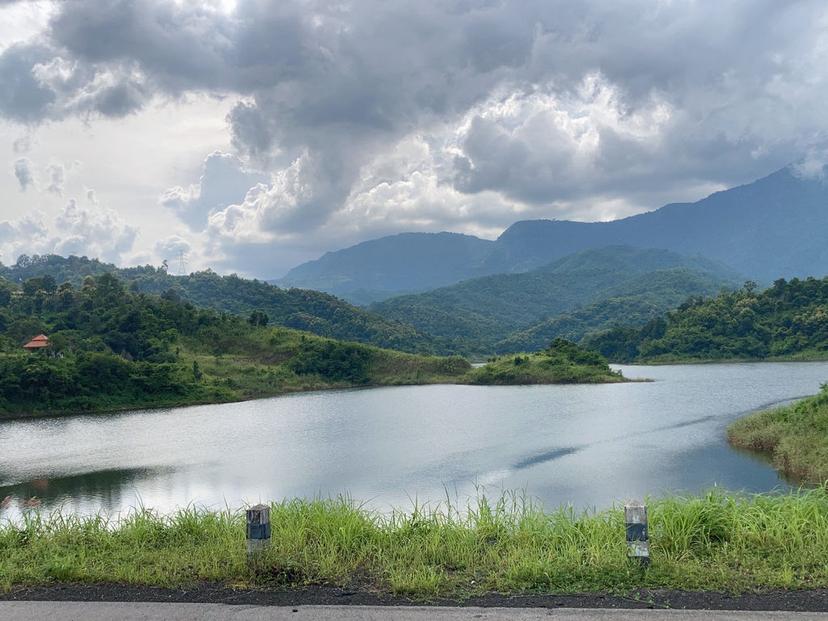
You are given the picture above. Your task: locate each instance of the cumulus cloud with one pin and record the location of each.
(23, 98)
(173, 246)
(56, 179)
(29, 229)
(224, 181)
(96, 232)
(22, 144)
(572, 108)
(23, 172)
(812, 165)
(298, 196)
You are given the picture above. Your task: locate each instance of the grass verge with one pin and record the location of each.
(711, 542)
(795, 437)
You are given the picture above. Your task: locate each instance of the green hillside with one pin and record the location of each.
(647, 297)
(316, 312)
(570, 297)
(787, 320)
(111, 348)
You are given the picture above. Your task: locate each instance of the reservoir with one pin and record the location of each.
(587, 446)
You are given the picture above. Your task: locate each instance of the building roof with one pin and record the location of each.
(41, 340)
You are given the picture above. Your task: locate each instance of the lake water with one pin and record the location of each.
(587, 446)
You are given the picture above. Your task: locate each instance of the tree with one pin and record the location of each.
(258, 318)
(171, 295)
(5, 293)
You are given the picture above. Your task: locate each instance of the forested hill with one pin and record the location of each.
(771, 228)
(588, 291)
(788, 320)
(644, 298)
(112, 348)
(101, 347)
(316, 312)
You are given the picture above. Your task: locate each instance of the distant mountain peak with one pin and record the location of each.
(773, 227)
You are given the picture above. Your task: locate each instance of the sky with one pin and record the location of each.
(251, 135)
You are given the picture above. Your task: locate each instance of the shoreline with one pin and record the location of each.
(694, 361)
(7, 416)
(790, 436)
(40, 414)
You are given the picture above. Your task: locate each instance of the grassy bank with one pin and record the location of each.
(112, 349)
(262, 363)
(794, 437)
(710, 542)
(239, 365)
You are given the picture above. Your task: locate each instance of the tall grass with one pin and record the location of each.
(715, 541)
(795, 437)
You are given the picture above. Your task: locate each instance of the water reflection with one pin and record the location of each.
(103, 489)
(588, 446)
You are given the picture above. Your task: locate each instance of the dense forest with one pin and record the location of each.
(112, 348)
(645, 297)
(507, 313)
(787, 320)
(301, 309)
(570, 298)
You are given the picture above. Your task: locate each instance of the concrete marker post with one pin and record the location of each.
(638, 537)
(258, 532)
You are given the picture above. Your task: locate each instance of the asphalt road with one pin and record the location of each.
(131, 611)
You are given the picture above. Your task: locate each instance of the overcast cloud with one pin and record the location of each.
(350, 120)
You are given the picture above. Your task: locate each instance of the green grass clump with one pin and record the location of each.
(715, 541)
(795, 437)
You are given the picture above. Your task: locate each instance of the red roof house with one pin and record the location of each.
(38, 342)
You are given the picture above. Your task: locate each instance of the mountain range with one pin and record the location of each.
(579, 294)
(774, 227)
(541, 279)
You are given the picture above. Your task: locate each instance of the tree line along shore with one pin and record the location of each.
(109, 348)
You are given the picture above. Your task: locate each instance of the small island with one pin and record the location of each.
(563, 362)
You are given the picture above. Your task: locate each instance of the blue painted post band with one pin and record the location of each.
(258, 534)
(258, 531)
(637, 532)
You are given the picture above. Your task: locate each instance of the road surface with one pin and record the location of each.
(131, 611)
